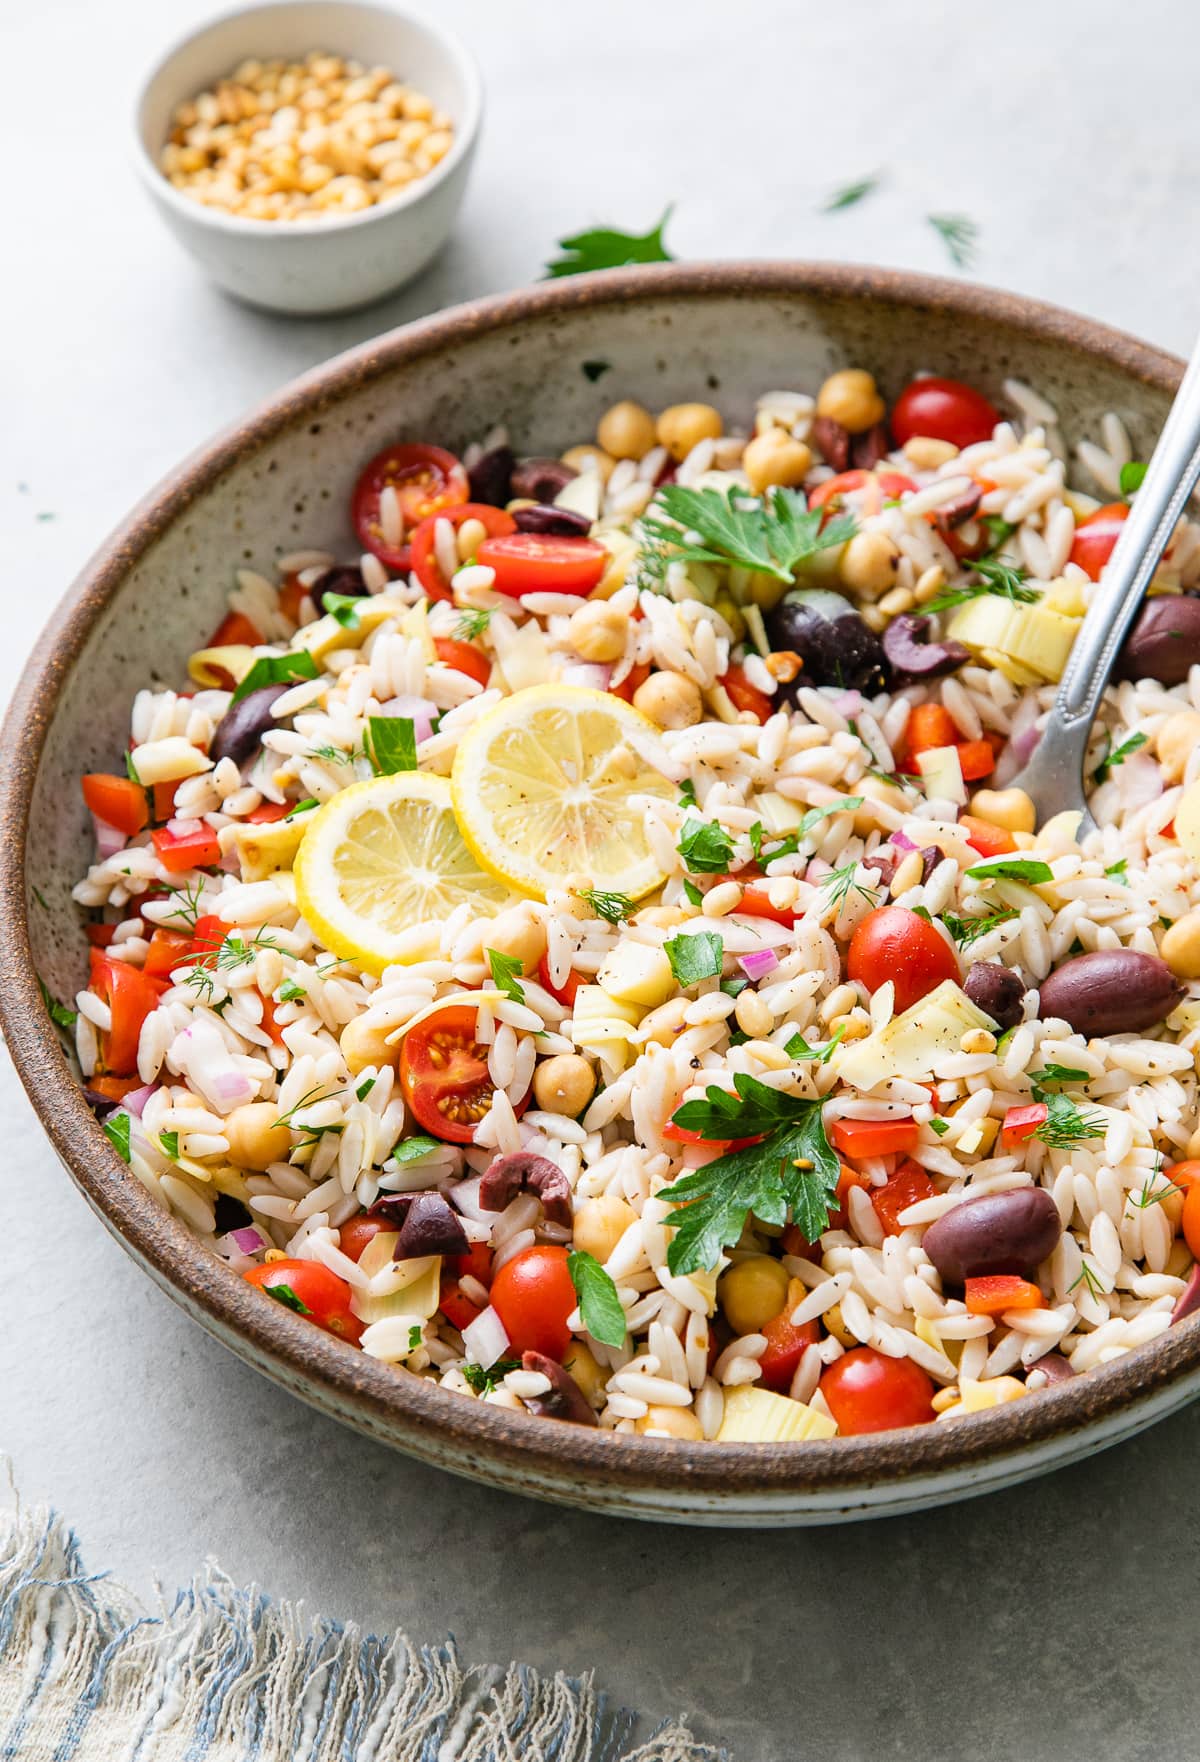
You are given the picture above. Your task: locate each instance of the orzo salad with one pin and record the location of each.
(587, 949)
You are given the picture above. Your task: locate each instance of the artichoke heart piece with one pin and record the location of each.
(1027, 643)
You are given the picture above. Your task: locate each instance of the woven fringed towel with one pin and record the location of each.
(224, 1674)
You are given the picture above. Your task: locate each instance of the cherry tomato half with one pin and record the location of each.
(235, 628)
(311, 1290)
(464, 657)
(354, 1235)
(756, 903)
(444, 1074)
(1191, 1219)
(907, 1186)
(427, 480)
(459, 1309)
(786, 1346)
(867, 1392)
(425, 563)
(1096, 537)
(894, 943)
(528, 562)
(118, 801)
(130, 995)
(744, 696)
(565, 993)
(533, 1296)
(945, 410)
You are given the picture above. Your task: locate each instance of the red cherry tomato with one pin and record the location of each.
(874, 487)
(354, 1236)
(745, 696)
(685, 1135)
(533, 1296)
(1191, 1211)
(235, 628)
(894, 943)
(1096, 536)
(168, 949)
(464, 657)
(427, 480)
(444, 1074)
(311, 1290)
(565, 993)
(459, 1309)
(425, 563)
(130, 995)
(197, 848)
(943, 409)
(527, 562)
(867, 1392)
(636, 677)
(785, 1348)
(118, 801)
(865, 1138)
(756, 903)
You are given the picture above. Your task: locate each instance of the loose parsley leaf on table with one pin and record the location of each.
(1114, 756)
(276, 670)
(606, 247)
(391, 744)
(59, 1014)
(505, 968)
(771, 534)
(594, 370)
(959, 235)
(792, 1171)
(599, 1304)
(695, 956)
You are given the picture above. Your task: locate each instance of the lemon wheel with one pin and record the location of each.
(383, 858)
(543, 789)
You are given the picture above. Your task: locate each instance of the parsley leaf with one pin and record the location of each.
(687, 793)
(1005, 868)
(1002, 579)
(959, 235)
(607, 248)
(59, 1014)
(170, 1144)
(276, 670)
(484, 1381)
(505, 968)
(798, 1047)
(365, 1087)
(290, 992)
(116, 1130)
(940, 1126)
(131, 771)
(391, 744)
(705, 847)
(771, 535)
(614, 907)
(1133, 473)
(692, 893)
(1114, 756)
(415, 1335)
(344, 607)
(1055, 1074)
(1118, 870)
(849, 194)
(599, 1304)
(695, 956)
(416, 1149)
(285, 1295)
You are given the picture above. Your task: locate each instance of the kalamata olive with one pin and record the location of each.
(997, 991)
(555, 522)
(871, 447)
(427, 1223)
(1111, 991)
(913, 656)
(885, 861)
(1189, 1297)
(1164, 642)
(344, 578)
(101, 1105)
(831, 639)
(490, 477)
(542, 479)
(240, 730)
(996, 1233)
(523, 1172)
(959, 509)
(1055, 1368)
(564, 1399)
(832, 442)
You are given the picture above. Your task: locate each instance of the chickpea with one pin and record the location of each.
(775, 458)
(753, 1015)
(598, 630)
(669, 699)
(518, 933)
(852, 398)
(752, 1291)
(256, 1136)
(364, 1044)
(582, 1364)
(590, 459)
(564, 1084)
(837, 1327)
(874, 789)
(626, 431)
(600, 1224)
(677, 1422)
(869, 563)
(1010, 808)
(927, 454)
(1174, 742)
(683, 426)
(1181, 946)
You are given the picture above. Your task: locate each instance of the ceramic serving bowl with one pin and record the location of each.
(281, 479)
(319, 265)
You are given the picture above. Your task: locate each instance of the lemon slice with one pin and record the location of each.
(543, 785)
(382, 858)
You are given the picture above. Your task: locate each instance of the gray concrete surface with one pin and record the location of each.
(1038, 1624)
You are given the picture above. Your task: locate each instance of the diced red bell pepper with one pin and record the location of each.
(235, 628)
(848, 1177)
(268, 812)
(999, 1292)
(756, 903)
(268, 1020)
(1021, 1123)
(786, 1344)
(988, 840)
(209, 935)
(197, 848)
(907, 1186)
(164, 800)
(565, 993)
(168, 949)
(130, 995)
(636, 676)
(976, 759)
(290, 596)
(100, 935)
(864, 1138)
(116, 1088)
(745, 696)
(118, 801)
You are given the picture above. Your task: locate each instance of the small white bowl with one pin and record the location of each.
(311, 266)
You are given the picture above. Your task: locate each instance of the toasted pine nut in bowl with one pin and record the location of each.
(311, 155)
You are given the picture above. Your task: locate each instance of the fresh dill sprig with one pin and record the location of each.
(838, 885)
(959, 235)
(965, 931)
(1005, 580)
(337, 755)
(472, 624)
(1090, 1278)
(850, 194)
(191, 901)
(1066, 1124)
(614, 907)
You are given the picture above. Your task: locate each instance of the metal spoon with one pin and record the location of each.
(1053, 778)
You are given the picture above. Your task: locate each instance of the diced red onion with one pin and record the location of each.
(183, 828)
(232, 1089)
(108, 840)
(485, 1338)
(247, 1239)
(464, 1197)
(758, 963)
(902, 841)
(593, 675)
(817, 870)
(1139, 781)
(849, 703)
(136, 1100)
(419, 711)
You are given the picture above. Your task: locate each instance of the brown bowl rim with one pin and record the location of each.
(330, 1374)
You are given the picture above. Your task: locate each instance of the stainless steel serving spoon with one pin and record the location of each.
(1053, 778)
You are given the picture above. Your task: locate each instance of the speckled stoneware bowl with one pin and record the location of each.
(280, 480)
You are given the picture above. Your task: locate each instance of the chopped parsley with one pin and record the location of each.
(1133, 474)
(606, 247)
(285, 1295)
(1118, 870)
(695, 956)
(1114, 756)
(599, 1304)
(798, 1047)
(1005, 868)
(505, 970)
(614, 907)
(116, 1130)
(365, 1087)
(59, 1014)
(344, 607)
(290, 992)
(416, 1149)
(771, 534)
(939, 1125)
(484, 1381)
(851, 194)
(415, 1335)
(959, 235)
(792, 1173)
(706, 848)
(276, 670)
(687, 793)
(170, 1144)
(1055, 1074)
(131, 771)
(692, 893)
(789, 844)
(391, 744)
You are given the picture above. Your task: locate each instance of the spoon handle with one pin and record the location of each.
(1053, 776)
